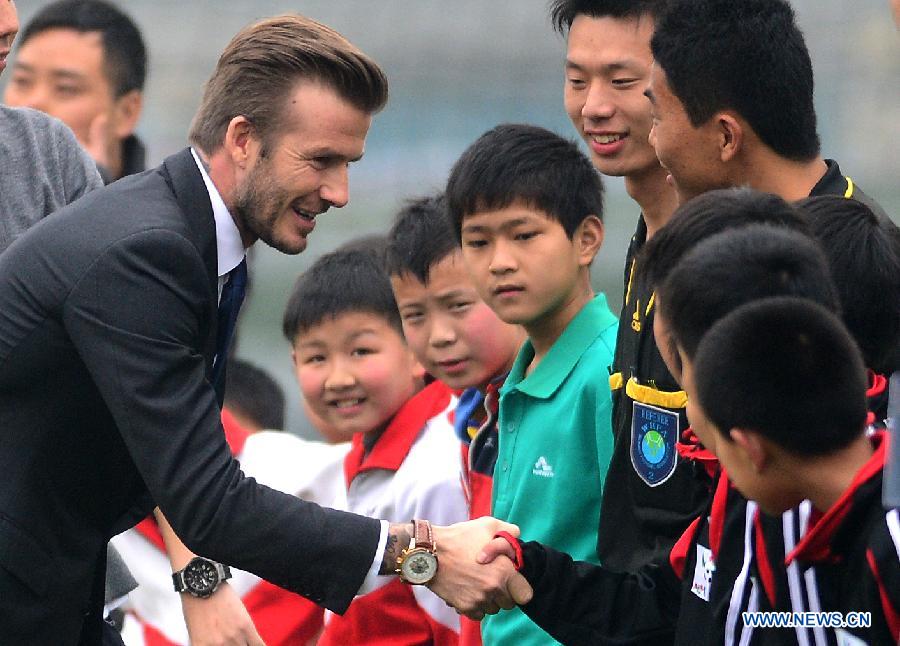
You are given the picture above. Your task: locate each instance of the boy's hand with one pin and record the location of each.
(517, 586)
(472, 588)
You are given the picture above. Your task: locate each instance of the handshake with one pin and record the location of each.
(476, 574)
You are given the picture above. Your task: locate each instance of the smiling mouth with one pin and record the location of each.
(303, 214)
(346, 403)
(607, 139)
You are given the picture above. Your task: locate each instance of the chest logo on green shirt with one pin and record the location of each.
(654, 432)
(543, 468)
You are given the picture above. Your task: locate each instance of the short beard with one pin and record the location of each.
(256, 203)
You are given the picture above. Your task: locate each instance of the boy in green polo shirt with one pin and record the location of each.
(527, 206)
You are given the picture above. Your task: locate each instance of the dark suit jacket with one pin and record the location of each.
(107, 334)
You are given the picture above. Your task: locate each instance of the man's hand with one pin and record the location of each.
(99, 140)
(476, 589)
(219, 620)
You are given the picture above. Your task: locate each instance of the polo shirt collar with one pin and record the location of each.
(832, 182)
(229, 247)
(823, 542)
(393, 446)
(593, 319)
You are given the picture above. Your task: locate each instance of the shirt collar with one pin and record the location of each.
(832, 182)
(229, 247)
(393, 446)
(593, 319)
(821, 544)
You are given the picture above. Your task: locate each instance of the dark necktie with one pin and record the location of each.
(229, 306)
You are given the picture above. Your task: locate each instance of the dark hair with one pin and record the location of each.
(863, 252)
(421, 237)
(785, 368)
(743, 55)
(734, 267)
(124, 54)
(373, 243)
(564, 12)
(251, 392)
(337, 283)
(515, 162)
(706, 215)
(261, 66)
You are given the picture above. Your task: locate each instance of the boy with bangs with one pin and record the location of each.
(737, 267)
(457, 338)
(781, 386)
(527, 206)
(685, 597)
(359, 377)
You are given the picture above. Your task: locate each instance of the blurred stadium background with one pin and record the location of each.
(458, 68)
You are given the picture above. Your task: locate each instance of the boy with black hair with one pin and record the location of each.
(358, 375)
(254, 397)
(457, 338)
(730, 112)
(648, 502)
(527, 207)
(708, 214)
(780, 385)
(687, 596)
(863, 250)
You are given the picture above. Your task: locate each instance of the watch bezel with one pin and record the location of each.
(186, 578)
(410, 556)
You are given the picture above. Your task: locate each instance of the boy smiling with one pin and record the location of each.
(360, 379)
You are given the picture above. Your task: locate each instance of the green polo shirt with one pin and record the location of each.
(555, 443)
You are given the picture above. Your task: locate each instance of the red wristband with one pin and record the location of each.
(518, 560)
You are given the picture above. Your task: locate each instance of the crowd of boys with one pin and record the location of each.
(714, 451)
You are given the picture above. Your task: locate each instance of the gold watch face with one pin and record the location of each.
(419, 566)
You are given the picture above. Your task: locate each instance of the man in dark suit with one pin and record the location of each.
(114, 316)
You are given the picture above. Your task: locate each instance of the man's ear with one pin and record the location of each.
(589, 237)
(127, 110)
(294, 357)
(730, 135)
(241, 143)
(753, 447)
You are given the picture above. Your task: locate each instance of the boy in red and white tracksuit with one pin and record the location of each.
(310, 470)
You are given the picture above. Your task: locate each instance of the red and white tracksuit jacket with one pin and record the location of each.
(411, 472)
(309, 470)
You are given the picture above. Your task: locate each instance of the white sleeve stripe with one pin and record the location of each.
(893, 522)
(815, 605)
(752, 606)
(793, 572)
(737, 594)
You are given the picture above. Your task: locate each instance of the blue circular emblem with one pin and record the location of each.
(653, 447)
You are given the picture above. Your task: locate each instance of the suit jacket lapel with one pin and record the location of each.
(183, 176)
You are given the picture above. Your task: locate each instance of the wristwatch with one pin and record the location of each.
(200, 577)
(418, 563)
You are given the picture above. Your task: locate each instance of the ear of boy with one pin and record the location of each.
(589, 237)
(752, 449)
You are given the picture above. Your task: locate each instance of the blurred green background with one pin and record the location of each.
(458, 68)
